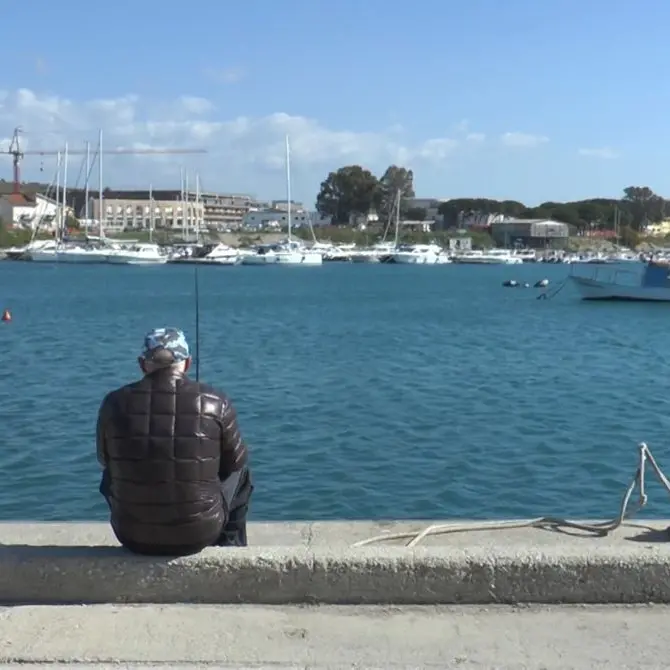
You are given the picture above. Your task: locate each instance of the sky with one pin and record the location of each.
(527, 100)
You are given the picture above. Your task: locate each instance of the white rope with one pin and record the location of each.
(600, 529)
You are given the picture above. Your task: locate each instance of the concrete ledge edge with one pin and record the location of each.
(476, 568)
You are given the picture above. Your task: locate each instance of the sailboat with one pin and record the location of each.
(62, 251)
(382, 252)
(293, 252)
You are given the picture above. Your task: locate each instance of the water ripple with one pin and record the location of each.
(385, 392)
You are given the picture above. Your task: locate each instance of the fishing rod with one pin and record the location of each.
(196, 288)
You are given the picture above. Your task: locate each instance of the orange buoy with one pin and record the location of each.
(6, 315)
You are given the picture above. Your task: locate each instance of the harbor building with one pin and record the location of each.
(29, 210)
(276, 218)
(221, 211)
(283, 205)
(120, 214)
(531, 233)
(225, 211)
(273, 218)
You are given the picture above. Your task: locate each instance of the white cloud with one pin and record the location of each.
(604, 152)
(437, 150)
(243, 153)
(475, 137)
(524, 140)
(226, 75)
(195, 105)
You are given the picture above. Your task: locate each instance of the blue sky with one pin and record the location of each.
(518, 99)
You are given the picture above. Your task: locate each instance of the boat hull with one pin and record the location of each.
(487, 261)
(364, 258)
(259, 259)
(409, 258)
(593, 289)
(224, 260)
(120, 259)
(82, 258)
(42, 256)
(299, 258)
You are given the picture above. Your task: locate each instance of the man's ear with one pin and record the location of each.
(187, 364)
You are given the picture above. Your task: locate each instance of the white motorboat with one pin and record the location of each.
(36, 248)
(647, 283)
(375, 254)
(222, 254)
(335, 252)
(219, 254)
(526, 255)
(139, 254)
(261, 255)
(294, 252)
(489, 257)
(421, 254)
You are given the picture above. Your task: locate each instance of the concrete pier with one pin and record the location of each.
(308, 563)
(386, 638)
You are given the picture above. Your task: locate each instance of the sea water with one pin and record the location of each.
(384, 391)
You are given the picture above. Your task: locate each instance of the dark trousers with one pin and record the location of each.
(236, 491)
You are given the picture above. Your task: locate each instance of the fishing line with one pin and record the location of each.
(196, 288)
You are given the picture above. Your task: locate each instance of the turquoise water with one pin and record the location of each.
(363, 391)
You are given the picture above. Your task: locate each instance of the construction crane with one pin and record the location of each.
(17, 154)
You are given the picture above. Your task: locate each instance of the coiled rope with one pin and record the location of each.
(600, 529)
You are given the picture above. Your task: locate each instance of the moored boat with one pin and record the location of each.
(648, 283)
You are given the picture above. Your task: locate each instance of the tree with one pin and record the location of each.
(629, 238)
(415, 214)
(351, 190)
(643, 206)
(394, 179)
(71, 222)
(511, 208)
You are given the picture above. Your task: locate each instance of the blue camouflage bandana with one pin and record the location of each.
(166, 339)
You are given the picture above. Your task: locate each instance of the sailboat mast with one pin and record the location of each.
(188, 207)
(86, 195)
(64, 218)
(288, 188)
(183, 203)
(59, 209)
(101, 216)
(151, 213)
(198, 221)
(397, 218)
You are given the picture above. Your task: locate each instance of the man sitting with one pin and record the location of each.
(174, 464)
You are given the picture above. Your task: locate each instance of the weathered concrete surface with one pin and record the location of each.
(556, 638)
(314, 563)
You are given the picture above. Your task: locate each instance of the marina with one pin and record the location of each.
(294, 251)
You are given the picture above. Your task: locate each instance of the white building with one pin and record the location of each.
(132, 214)
(275, 218)
(28, 211)
(283, 205)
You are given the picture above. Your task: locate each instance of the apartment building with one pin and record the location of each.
(220, 211)
(134, 214)
(225, 211)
